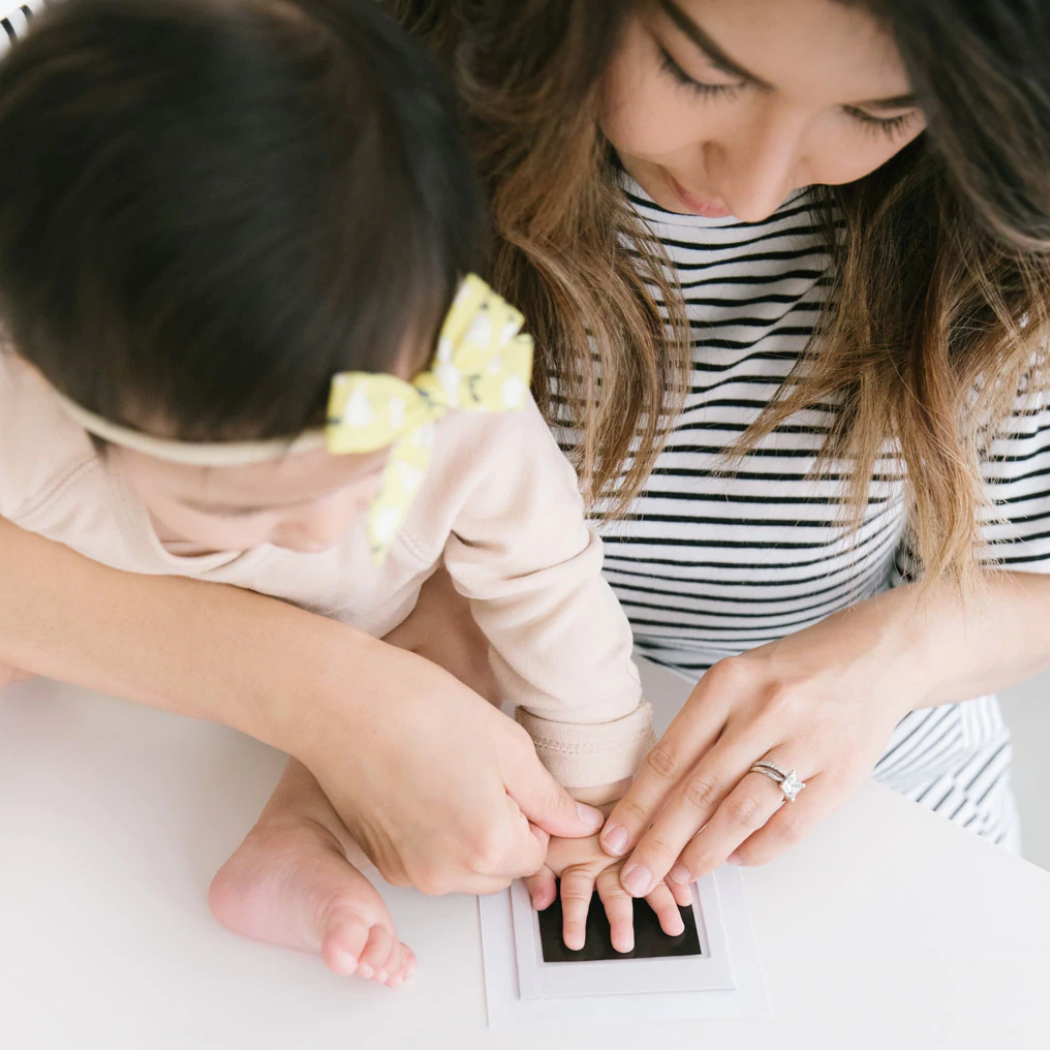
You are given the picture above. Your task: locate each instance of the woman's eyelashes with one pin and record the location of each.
(681, 77)
(889, 126)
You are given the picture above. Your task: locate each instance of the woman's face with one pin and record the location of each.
(724, 107)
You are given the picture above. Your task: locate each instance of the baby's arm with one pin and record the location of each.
(560, 648)
(521, 552)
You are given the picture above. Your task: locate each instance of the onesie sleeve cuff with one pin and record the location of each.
(579, 756)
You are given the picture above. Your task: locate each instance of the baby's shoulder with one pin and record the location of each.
(503, 466)
(41, 448)
(479, 446)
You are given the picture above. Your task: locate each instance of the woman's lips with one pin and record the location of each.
(697, 206)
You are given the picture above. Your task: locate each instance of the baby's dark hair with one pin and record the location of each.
(209, 207)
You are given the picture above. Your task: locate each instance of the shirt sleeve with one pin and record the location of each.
(521, 552)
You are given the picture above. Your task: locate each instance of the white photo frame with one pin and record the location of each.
(539, 979)
(506, 1008)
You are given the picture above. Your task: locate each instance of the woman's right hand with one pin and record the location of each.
(438, 787)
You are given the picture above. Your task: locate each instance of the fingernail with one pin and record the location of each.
(590, 816)
(637, 880)
(366, 971)
(346, 962)
(615, 840)
(396, 981)
(680, 874)
(382, 977)
(735, 859)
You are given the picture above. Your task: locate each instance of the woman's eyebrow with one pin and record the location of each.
(898, 102)
(707, 45)
(687, 26)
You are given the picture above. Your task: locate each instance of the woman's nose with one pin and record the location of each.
(760, 167)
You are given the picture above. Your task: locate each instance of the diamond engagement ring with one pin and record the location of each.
(788, 782)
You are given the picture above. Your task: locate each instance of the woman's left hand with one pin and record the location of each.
(822, 702)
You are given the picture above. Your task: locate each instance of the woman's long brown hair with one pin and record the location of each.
(940, 260)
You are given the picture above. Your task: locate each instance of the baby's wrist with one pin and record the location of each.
(603, 797)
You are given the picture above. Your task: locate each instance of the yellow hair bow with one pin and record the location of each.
(483, 364)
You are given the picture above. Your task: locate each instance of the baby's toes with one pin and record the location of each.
(343, 943)
(399, 972)
(381, 943)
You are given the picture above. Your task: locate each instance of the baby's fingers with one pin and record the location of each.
(542, 888)
(682, 893)
(577, 887)
(619, 909)
(662, 901)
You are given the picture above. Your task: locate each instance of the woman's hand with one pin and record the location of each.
(461, 802)
(822, 702)
(438, 787)
(436, 784)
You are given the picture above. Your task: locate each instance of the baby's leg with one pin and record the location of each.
(291, 883)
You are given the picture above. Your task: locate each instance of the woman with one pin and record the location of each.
(939, 292)
(842, 209)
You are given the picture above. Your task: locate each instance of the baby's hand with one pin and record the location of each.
(583, 866)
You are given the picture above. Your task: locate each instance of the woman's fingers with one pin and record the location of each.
(746, 810)
(577, 888)
(663, 903)
(693, 803)
(791, 823)
(542, 887)
(548, 806)
(691, 734)
(619, 910)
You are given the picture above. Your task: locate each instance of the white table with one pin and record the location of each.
(887, 928)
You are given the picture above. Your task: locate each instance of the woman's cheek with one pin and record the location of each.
(642, 112)
(654, 123)
(837, 165)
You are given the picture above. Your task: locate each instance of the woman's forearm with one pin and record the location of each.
(938, 646)
(989, 639)
(200, 649)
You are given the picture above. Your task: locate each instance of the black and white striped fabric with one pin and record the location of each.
(14, 20)
(719, 557)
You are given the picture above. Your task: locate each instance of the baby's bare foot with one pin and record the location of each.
(290, 883)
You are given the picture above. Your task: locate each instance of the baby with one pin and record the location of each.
(243, 346)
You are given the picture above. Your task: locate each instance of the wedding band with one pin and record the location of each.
(787, 780)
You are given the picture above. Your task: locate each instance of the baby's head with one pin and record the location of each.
(208, 208)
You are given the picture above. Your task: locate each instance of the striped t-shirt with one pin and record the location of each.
(718, 557)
